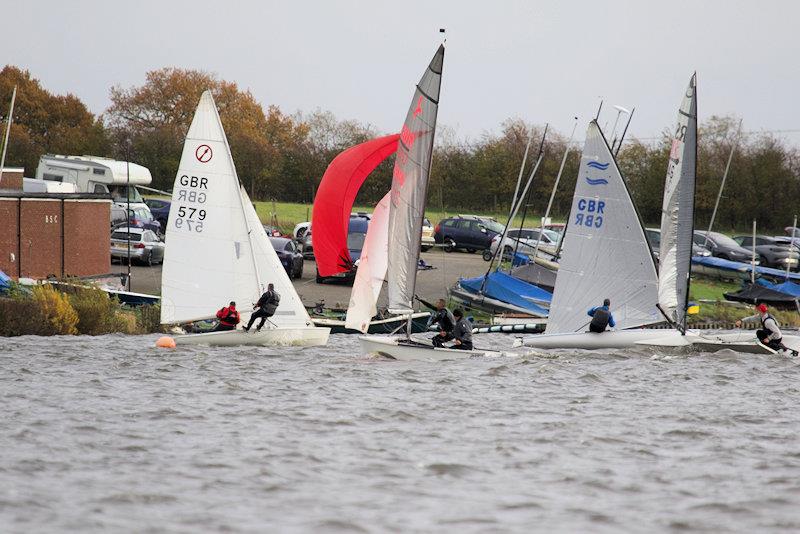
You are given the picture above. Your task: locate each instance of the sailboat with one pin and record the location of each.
(606, 253)
(617, 264)
(218, 250)
(401, 243)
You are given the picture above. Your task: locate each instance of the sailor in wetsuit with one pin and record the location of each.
(770, 333)
(444, 319)
(601, 318)
(462, 332)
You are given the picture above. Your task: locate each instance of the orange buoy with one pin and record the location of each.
(165, 342)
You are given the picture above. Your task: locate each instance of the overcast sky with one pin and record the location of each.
(544, 61)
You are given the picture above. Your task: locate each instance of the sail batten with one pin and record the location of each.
(605, 251)
(677, 213)
(410, 186)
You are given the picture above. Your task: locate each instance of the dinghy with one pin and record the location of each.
(605, 255)
(218, 250)
(393, 242)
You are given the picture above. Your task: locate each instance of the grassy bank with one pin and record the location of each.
(47, 311)
(288, 214)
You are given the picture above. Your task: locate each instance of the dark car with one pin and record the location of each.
(291, 258)
(159, 209)
(356, 234)
(469, 232)
(771, 252)
(722, 246)
(654, 238)
(142, 218)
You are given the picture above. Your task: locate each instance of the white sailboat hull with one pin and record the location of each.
(614, 339)
(269, 337)
(694, 340)
(399, 349)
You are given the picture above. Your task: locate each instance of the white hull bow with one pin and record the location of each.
(278, 337)
(399, 349)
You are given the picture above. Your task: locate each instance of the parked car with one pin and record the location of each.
(788, 241)
(146, 246)
(142, 218)
(118, 217)
(558, 228)
(654, 238)
(290, 256)
(356, 234)
(769, 251)
(427, 235)
(469, 232)
(524, 241)
(159, 209)
(306, 243)
(722, 246)
(272, 231)
(300, 230)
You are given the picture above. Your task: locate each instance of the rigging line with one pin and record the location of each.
(527, 201)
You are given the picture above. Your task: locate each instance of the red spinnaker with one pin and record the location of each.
(334, 201)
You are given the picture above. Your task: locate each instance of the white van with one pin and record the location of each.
(93, 174)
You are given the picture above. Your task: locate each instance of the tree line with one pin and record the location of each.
(283, 156)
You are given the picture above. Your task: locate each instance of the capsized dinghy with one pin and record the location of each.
(218, 250)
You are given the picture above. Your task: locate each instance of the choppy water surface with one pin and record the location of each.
(111, 434)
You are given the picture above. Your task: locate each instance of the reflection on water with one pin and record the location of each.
(111, 434)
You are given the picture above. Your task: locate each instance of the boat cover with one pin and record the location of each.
(506, 288)
(744, 268)
(758, 293)
(5, 282)
(536, 274)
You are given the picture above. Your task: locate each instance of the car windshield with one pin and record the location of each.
(118, 193)
(492, 226)
(355, 240)
(124, 236)
(278, 244)
(554, 236)
(723, 240)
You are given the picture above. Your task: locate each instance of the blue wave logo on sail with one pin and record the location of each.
(598, 165)
(596, 181)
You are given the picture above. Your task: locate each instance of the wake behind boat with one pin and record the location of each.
(218, 250)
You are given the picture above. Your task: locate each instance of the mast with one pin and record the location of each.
(724, 177)
(791, 246)
(528, 199)
(8, 132)
(555, 188)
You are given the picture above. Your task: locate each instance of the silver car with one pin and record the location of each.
(145, 245)
(524, 240)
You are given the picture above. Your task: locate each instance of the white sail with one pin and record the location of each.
(207, 261)
(410, 186)
(605, 252)
(677, 215)
(290, 312)
(371, 269)
(217, 250)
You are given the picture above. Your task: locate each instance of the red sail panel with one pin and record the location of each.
(335, 197)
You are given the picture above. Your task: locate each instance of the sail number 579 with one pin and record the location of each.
(190, 218)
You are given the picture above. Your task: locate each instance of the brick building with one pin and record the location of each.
(11, 178)
(60, 234)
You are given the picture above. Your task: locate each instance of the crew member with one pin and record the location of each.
(462, 331)
(770, 333)
(228, 318)
(265, 308)
(601, 318)
(444, 319)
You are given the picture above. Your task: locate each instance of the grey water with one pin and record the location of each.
(110, 434)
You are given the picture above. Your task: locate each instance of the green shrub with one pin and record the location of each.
(149, 319)
(20, 316)
(97, 312)
(55, 309)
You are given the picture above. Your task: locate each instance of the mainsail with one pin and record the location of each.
(605, 251)
(371, 269)
(410, 186)
(677, 215)
(218, 250)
